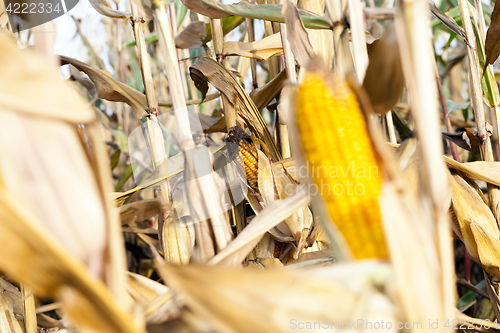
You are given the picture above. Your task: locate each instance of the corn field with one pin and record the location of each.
(261, 166)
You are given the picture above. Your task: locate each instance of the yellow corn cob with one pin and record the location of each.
(341, 161)
(247, 153)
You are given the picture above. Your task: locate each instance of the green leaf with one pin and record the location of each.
(467, 300)
(126, 175)
(115, 158)
(121, 140)
(452, 106)
(268, 12)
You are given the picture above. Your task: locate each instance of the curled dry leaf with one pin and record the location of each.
(492, 44)
(479, 170)
(109, 88)
(477, 225)
(139, 211)
(262, 96)
(296, 34)
(192, 36)
(447, 20)
(261, 50)
(384, 80)
(103, 8)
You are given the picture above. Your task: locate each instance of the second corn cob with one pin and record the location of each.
(342, 161)
(244, 153)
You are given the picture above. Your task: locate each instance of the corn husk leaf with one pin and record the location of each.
(155, 299)
(49, 270)
(139, 211)
(36, 88)
(11, 309)
(275, 212)
(275, 297)
(384, 80)
(479, 170)
(476, 223)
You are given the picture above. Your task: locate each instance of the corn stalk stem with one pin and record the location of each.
(170, 61)
(218, 42)
(360, 53)
(390, 127)
(283, 136)
(253, 62)
(444, 108)
(474, 75)
(419, 70)
(29, 312)
(152, 130)
(477, 101)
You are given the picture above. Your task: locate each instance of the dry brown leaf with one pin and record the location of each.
(140, 210)
(447, 20)
(297, 34)
(103, 8)
(384, 80)
(262, 96)
(479, 170)
(261, 50)
(492, 45)
(275, 212)
(155, 298)
(11, 309)
(231, 299)
(109, 88)
(477, 224)
(192, 36)
(208, 70)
